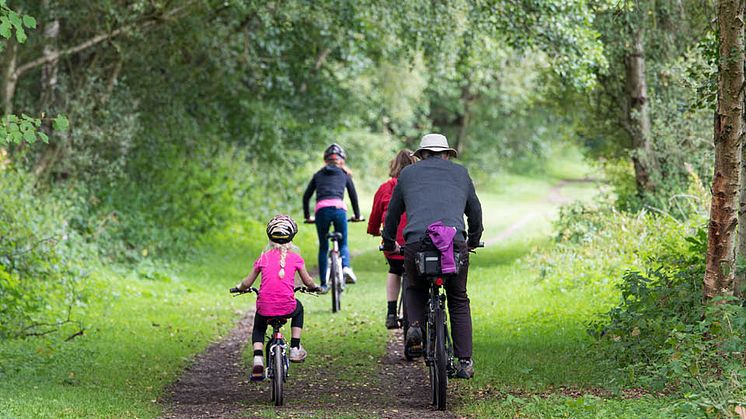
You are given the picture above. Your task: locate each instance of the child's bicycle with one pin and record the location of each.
(335, 275)
(276, 350)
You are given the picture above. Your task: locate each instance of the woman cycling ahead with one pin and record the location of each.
(330, 183)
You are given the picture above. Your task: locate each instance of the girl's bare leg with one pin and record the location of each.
(393, 284)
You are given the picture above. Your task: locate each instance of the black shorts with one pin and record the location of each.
(396, 266)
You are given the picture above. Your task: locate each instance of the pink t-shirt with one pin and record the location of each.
(276, 296)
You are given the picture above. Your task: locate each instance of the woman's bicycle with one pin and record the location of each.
(401, 310)
(276, 350)
(335, 273)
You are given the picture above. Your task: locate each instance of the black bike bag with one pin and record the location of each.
(428, 262)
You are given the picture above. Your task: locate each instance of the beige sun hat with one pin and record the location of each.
(436, 143)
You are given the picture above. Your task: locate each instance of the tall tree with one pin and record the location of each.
(729, 128)
(637, 114)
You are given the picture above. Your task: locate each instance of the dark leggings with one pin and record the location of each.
(260, 322)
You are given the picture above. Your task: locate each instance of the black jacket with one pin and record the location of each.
(433, 190)
(330, 182)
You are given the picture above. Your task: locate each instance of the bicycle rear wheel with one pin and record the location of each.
(335, 277)
(278, 376)
(441, 361)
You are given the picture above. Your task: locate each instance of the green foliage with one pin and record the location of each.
(664, 335)
(14, 130)
(14, 22)
(597, 243)
(41, 260)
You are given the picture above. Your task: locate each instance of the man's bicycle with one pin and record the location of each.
(335, 274)
(438, 346)
(276, 350)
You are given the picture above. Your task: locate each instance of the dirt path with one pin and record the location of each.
(216, 384)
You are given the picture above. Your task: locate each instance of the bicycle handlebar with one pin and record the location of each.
(236, 292)
(351, 219)
(381, 249)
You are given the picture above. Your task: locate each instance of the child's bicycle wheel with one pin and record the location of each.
(278, 376)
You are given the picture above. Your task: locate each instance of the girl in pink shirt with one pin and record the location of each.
(278, 264)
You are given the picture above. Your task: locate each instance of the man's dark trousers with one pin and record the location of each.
(456, 298)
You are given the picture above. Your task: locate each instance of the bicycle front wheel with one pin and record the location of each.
(440, 366)
(278, 376)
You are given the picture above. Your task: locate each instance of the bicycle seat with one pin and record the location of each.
(334, 236)
(276, 322)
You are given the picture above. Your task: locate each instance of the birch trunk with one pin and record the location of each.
(721, 249)
(638, 116)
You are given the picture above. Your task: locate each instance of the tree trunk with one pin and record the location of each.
(464, 119)
(721, 255)
(9, 77)
(51, 151)
(638, 117)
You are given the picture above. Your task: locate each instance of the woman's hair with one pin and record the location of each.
(403, 159)
(339, 162)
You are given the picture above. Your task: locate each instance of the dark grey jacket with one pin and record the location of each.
(433, 190)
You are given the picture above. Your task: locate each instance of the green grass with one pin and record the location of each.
(140, 335)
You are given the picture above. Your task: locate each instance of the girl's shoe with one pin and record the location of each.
(297, 354)
(257, 372)
(392, 322)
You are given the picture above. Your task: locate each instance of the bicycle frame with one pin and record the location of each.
(277, 341)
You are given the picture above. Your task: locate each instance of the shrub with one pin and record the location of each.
(664, 335)
(41, 260)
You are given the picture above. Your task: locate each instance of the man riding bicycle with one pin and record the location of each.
(436, 189)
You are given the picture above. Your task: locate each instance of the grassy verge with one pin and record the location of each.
(143, 327)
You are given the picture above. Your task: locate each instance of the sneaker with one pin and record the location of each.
(465, 369)
(413, 342)
(323, 289)
(257, 372)
(392, 322)
(297, 354)
(350, 277)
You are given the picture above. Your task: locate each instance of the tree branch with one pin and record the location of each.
(95, 40)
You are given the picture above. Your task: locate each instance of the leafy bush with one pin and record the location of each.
(41, 260)
(596, 244)
(665, 335)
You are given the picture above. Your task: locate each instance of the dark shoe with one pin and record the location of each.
(392, 322)
(465, 369)
(413, 343)
(323, 289)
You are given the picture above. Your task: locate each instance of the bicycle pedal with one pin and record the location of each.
(257, 378)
